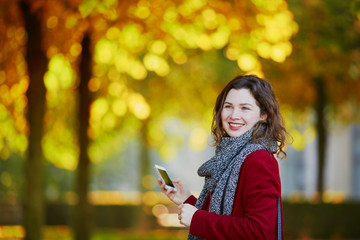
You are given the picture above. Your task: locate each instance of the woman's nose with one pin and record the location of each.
(236, 114)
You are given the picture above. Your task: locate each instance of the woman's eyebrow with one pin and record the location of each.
(246, 104)
(241, 104)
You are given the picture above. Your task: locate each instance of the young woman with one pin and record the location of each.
(241, 197)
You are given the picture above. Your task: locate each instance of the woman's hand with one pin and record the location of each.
(186, 212)
(177, 197)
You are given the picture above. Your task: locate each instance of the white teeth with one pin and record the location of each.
(235, 124)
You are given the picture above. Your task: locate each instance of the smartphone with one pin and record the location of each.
(165, 177)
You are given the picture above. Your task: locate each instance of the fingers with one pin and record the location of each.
(180, 212)
(160, 182)
(162, 185)
(186, 212)
(169, 191)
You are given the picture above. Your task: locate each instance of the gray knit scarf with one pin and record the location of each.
(221, 172)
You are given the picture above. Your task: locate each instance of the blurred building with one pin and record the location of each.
(342, 165)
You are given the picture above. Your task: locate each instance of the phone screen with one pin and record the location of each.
(166, 178)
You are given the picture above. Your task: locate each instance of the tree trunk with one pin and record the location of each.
(144, 168)
(83, 215)
(34, 175)
(321, 128)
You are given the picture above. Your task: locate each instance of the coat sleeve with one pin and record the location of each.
(259, 188)
(191, 200)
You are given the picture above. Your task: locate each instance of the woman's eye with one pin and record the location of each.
(227, 106)
(245, 108)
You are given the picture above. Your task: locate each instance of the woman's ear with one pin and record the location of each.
(263, 117)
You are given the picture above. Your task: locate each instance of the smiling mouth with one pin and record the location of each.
(235, 126)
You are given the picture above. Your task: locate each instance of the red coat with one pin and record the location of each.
(254, 213)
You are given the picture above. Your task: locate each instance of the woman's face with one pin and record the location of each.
(240, 112)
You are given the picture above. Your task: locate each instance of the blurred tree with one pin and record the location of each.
(13, 86)
(34, 175)
(323, 73)
(83, 227)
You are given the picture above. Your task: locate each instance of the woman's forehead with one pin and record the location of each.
(238, 96)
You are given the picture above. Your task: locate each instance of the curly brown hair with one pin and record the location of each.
(273, 125)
